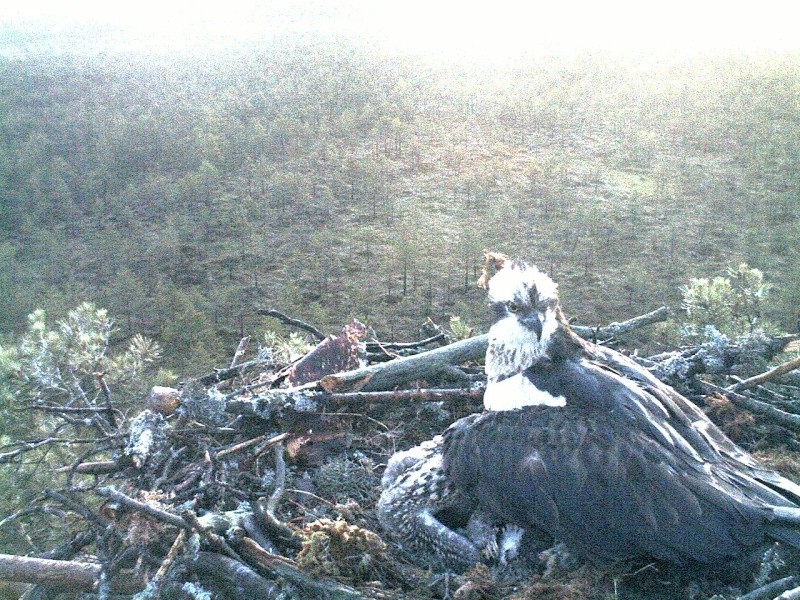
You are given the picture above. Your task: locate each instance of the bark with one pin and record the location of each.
(764, 377)
(50, 573)
(236, 579)
(285, 319)
(389, 375)
(614, 330)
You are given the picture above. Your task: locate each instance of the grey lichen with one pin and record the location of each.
(196, 591)
(147, 437)
(204, 406)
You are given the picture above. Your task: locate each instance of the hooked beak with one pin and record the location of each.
(533, 321)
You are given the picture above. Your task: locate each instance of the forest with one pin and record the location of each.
(154, 208)
(330, 182)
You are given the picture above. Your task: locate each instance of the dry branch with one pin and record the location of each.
(241, 349)
(757, 406)
(98, 467)
(389, 375)
(764, 377)
(50, 573)
(239, 581)
(790, 595)
(152, 511)
(317, 587)
(417, 395)
(287, 320)
(613, 330)
(380, 346)
(768, 591)
(230, 372)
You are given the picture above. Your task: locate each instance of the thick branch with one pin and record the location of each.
(238, 580)
(49, 573)
(389, 375)
(426, 395)
(613, 330)
(98, 467)
(316, 587)
(768, 591)
(757, 406)
(763, 377)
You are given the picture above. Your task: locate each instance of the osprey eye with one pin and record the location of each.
(513, 307)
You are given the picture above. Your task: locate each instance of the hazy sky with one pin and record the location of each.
(486, 28)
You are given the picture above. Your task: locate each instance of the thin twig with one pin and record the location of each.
(377, 345)
(240, 447)
(76, 506)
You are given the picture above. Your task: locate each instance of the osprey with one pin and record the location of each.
(581, 442)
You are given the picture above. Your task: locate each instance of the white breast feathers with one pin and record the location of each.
(515, 392)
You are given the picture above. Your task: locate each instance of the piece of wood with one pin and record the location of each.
(241, 349)
(757, 406)
(316, 587)
(98, 467)
(389, 375)
(238, 580)
(764, 377)
(767, 592)
(417, 395)
(65, 574)
(613, 330)
(790, 595)
(287, 320)
(142, 507)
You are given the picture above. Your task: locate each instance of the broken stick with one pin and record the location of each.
(763, 377)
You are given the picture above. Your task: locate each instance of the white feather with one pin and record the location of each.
(514, 281)
(515, 392)
(514, 347)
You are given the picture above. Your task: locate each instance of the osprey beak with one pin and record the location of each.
(533, 322)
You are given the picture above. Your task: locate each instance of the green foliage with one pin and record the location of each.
(59, 364)
(335, 183)
(459, 330)
(734, 304)
(286, 349)
(69, 363)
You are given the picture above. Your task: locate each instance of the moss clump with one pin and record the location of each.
(338, 549)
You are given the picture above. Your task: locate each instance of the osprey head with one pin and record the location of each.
(524, 304)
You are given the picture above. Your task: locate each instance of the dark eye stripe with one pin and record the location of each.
(498, 310)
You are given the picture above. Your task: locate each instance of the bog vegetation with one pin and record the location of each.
(330, 182)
